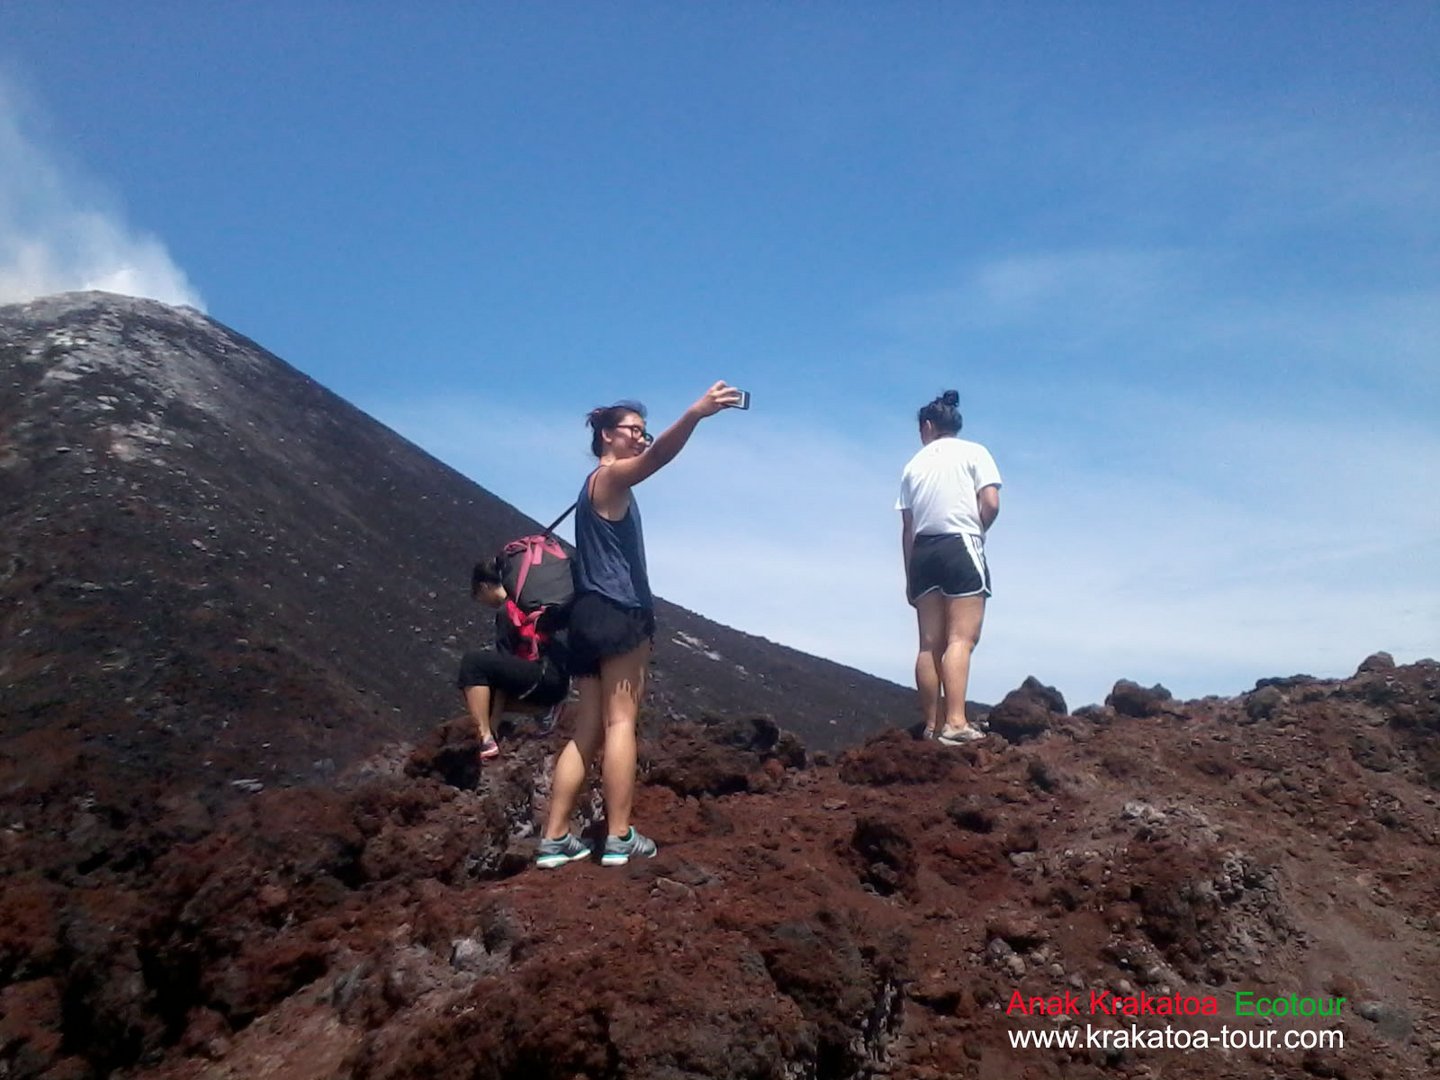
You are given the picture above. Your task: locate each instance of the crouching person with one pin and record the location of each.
(526, 671)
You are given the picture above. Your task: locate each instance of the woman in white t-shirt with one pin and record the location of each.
(949, 497)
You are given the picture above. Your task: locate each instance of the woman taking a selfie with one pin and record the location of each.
(612, 624)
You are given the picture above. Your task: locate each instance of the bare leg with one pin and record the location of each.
(930, 613)
(623, 681)
(573, 762)
(485, 706)
(963, 618)
(477, 700)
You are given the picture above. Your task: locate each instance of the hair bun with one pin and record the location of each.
(950, 397)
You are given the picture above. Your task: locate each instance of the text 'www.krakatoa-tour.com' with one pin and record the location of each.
(1098, 1035)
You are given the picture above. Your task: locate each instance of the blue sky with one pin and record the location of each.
(1180, 261)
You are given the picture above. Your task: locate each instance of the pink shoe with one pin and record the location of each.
(489, 749)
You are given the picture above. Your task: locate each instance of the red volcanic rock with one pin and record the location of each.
(723, 757)
(1021, 933)
(31, 1028)
(894, 757)
(29, 927)
(878, 913)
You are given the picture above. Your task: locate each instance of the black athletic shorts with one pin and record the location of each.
(953, 563)
(601, 628)
(535, 682)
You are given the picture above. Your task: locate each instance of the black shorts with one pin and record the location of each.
(601, 628)
(953, 563)
(534, 682)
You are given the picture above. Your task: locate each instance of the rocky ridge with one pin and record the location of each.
(870, 915)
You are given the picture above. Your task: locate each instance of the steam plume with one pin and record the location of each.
(55, 238)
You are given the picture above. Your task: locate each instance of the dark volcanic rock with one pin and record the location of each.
(886, 855)
(1131, 699)
(1027, 711)
(1262, 703)
(846, 986)
(1380, 661)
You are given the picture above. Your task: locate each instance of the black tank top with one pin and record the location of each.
(610, 555)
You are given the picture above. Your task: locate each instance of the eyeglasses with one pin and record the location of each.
(637, 431)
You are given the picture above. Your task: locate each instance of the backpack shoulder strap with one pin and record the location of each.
(556, 523)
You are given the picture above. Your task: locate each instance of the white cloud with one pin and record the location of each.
(1313, 549)
(1275, 173)
(55, 236)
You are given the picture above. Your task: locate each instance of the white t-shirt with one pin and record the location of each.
(940, 484)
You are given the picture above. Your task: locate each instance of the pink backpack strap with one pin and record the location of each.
(527, 630)
(534, 545)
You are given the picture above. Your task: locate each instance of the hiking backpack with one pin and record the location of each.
(535, 571)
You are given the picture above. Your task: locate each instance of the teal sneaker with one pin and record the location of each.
(620, 849)
(553, 853)
(552, 719)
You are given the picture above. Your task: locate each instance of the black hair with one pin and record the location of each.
(944, 413)
(487, 572)
(606, 417)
